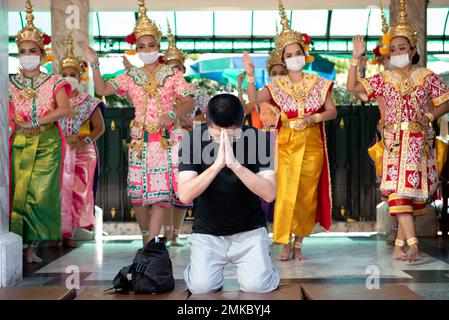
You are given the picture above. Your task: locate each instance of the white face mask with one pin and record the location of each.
(275, 77)
(30, 63)
(149, 57)
(295, 63)
(400, 61)
(74, 83)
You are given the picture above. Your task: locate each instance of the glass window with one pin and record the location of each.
(186, 45)
(204, 45)
(224, 45)
(434, 45)
(194, 23)
(12, 48)
(14, 24)
(265, 22)
(233, 23)
(42, 21)
(319, 46)
(242, 45)
(338, 46)
(436, 18)
(161, 17)
(114, 23)
(312, 22)
(358, 19)
(375, 22)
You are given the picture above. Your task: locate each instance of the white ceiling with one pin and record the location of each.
(160, 5)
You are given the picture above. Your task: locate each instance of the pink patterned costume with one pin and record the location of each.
(153, 172)
(78, 204)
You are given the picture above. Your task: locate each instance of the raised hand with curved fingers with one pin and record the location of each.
(248, 64)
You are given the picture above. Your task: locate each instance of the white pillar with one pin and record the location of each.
(10, 243)
(69, 14)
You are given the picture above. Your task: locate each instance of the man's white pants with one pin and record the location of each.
(249, 251)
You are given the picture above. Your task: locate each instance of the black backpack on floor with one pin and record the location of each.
(151, 271)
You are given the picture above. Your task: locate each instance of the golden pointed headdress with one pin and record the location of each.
(144, 26)
(30, 32)
(69, 59)
(403, 28)
(275, 57)
(385, 27)
(173, 52)
(383, 46)
(273, 60)
(287, 35)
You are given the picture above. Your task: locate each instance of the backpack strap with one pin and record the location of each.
(121, 281)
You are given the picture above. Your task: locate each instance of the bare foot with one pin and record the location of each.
(31, 256)
(285, 254)
(413, 254)
(297, 255)
(69, 243)
(297, 252)
(399, 254)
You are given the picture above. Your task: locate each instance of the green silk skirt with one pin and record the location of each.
(36, 204)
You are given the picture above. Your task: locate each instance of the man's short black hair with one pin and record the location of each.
(225, 110)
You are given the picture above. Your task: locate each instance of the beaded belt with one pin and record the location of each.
(32, 132)
(298, 124)
(413, 126)
(152, 127)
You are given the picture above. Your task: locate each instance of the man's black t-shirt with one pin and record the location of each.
(227, 206)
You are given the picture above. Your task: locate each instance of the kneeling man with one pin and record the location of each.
(227, 167)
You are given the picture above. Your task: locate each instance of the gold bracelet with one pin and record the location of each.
(412, 241)
(355, 62)
(430, 116)
(317, 118)
(250, 79)
(399, 243)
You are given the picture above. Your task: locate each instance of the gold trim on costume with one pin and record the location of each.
(32, 132)
(406, 86)
(442, 99)
(365, 83)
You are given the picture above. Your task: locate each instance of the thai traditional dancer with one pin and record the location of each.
(265, 116)
(82, 128)
(303, 195)
(410, 168)
(153, 152)
(37, 101)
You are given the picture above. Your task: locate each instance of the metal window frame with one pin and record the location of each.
(257, 43)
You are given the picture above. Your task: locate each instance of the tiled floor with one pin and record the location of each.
(332, 258)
